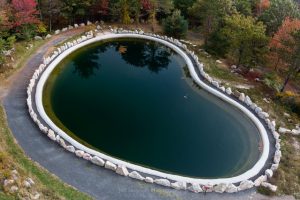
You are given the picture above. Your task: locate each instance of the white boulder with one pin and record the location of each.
(196, 188)
(149, 180)
(110, 165)
(179, 185)
(242, 97)
(259, 180)
(163, 182)
(79, 153)
(246, 184)
(136, 175)
(220, 188)
(269, 173)
(231, 188)
(70, 148)
(51, 135)
(122, 170)
(228, 91)
(98, 161)
(273, 188)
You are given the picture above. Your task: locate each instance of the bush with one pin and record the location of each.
(26, 32)
(175, 25)
(272, 81)
(290, 100)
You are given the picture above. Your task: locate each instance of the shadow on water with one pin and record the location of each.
(151, 55)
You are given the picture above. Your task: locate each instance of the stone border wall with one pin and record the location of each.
(245, 104)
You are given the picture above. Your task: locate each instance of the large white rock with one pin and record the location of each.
(269, 173)
(248, 101)
(231, 188)
(122, 170)
(97, 161)
(149, 180)
(70, 148)
(259, 180)
(277, 157)
(246, 184)
(228, 91)
(163, 182)
(269, 186)
(51, 135)
(179, 185)
(110, 165)
(87, 156)
(284, 130)
(242, 97)
(274, 167)
(220, 188)
(79, 153)
(295, 131)
(196, 188)
(136, 175)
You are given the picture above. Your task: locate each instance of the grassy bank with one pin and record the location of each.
(12, 157)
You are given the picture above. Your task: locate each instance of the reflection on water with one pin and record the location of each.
(151, 55)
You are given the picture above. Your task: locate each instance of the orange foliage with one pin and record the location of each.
(262, 5)
(283, 36)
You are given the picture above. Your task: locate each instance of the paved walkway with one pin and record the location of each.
(98, 182)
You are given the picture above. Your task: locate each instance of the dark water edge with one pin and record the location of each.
(129, 99)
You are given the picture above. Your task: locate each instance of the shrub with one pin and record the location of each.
(175, 25)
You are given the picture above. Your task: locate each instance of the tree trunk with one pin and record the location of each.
(285, 82)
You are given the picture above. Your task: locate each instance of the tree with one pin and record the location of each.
(24, 12)
(210, 14)
(246, 38)
(285, 49)
(163, 6)
(277, 12)
(50, 10)
(261, 6)
(175, 25)
(279, 52)
(183, 6)
(124, 9)
(74, 8)
(243, 6)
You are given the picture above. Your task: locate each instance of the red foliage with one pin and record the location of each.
(262, 5)
(146, 4)
(283, 35)
(279, 44)
(25, 12)
(104, 7)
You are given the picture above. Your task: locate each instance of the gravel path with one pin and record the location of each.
(98, 182)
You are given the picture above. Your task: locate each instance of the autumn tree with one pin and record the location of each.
(164, 6)
(175, 25)
(261, 6)
(284, 49)
(246, 39)
(277, 12)
(25, 18)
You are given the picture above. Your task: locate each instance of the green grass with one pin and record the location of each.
(51, 186)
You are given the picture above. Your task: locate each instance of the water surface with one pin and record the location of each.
(130, 99)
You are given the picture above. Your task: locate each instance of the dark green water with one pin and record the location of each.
(130, 99)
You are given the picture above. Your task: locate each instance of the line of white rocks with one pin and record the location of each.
(121, 169)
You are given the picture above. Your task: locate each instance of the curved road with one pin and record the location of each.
(98, 182)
